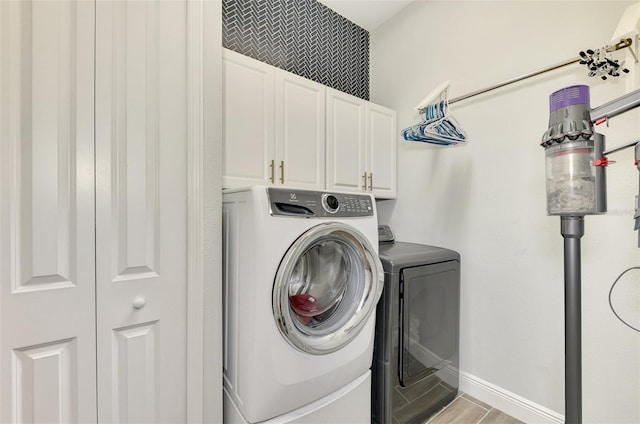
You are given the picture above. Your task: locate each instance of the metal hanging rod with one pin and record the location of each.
(624, 43)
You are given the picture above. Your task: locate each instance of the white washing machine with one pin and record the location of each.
(301, 281)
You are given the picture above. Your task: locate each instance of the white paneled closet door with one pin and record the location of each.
(141, 216)
(47, 284)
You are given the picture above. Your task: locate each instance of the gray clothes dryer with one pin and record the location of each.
(415, 359)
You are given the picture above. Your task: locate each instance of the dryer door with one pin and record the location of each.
(326, 287)
(429, 317)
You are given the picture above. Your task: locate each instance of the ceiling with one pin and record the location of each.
(368, 14)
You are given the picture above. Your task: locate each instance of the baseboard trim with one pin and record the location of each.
(509, 403)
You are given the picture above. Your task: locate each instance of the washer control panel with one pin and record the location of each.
(318, 204)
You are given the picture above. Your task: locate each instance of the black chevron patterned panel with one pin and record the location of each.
(300, 36)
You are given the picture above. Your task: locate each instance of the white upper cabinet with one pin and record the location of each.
(381, 150)
(248, 121)
(281, 129)
(361, 148)
(346, 138)
(300, 119)
(273, 126)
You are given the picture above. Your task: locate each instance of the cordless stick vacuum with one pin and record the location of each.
(576, 186)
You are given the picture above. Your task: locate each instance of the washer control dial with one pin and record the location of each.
(330, 203)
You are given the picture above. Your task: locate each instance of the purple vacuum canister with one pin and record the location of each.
(574, 182)
(569, 116)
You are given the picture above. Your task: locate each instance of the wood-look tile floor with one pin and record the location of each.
(468, 410)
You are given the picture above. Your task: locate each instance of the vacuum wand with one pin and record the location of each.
(572, 229)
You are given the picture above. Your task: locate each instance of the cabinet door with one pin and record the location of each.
(248, 121)
(345, 142)
(300, 131)
(141, 217)
(381, 150)
(47, 283)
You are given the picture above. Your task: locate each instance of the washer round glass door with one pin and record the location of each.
(326, 287)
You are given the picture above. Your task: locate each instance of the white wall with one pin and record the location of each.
(487, 199)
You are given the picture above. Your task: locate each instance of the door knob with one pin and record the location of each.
(139, 302)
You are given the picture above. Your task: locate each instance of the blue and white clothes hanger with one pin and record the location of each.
(439, 126)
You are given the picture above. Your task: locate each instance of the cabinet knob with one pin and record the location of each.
(364, 181)
(370, 181)
(139, 302)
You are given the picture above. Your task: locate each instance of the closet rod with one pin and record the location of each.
(618, 46)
